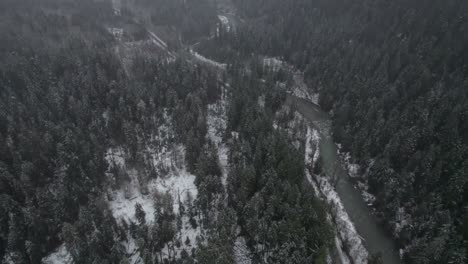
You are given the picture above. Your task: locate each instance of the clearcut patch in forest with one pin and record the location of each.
(173, 182)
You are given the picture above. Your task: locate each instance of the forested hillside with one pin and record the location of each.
(65, 99)
(115, 149)
(394, 76)
(121, 143)
(278, 211)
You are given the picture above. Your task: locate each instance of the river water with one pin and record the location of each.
(376, 240)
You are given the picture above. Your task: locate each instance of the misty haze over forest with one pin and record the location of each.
(233, 131)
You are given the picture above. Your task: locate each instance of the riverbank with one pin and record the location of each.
(375, 239)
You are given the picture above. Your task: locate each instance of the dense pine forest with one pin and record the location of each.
(72, 97)
(65, 99)
(159, 131)
(394, 76)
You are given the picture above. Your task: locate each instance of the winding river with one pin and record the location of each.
(376, 240)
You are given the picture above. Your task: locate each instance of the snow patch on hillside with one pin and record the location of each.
(115, 157)
(59, 256)
(160, 170)
(225, 22)
(274, 64)
(312, 154)
(217, 124)
(204, 59)
(177, 182)
(216, 121)
(345, 227)
(339, 247)
(123, 201)
(241, 251)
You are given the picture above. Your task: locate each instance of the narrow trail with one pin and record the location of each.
(376, 240)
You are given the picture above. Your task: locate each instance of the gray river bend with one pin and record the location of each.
(376, 240)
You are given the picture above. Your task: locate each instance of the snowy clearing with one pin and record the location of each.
(177, 182)
(170, 177)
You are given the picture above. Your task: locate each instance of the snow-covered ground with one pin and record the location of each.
(299, 88)
(241, 251)
(353, 172)
(225, 22)
(217, 122)
(273, 63)
(346, 231)
(339, 248)
(59, 256)
(172, 177)
(204, 59)
(177, 182)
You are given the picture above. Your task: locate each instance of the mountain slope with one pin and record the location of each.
(394, 76)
